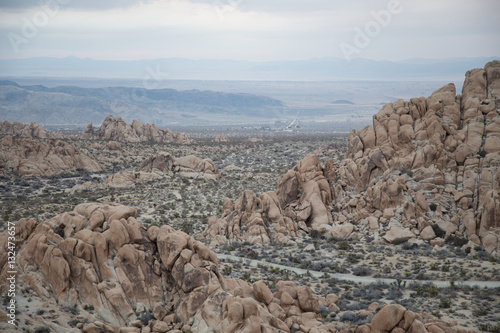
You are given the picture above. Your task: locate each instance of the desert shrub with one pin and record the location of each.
(368, 293)
(345, 305)
(88, 307)
(343, 245)
(409, 246)
(489, 328)
(480, 312)
(246, 276)
(394, 293)
(187, 228)
(321, 265)
(305, 264)
(428, 290)
(421, 276)
(362, 271)
(408, 303)
(324, 311)
(456, 241)
(146, 317)
(444, 303)
(352, 258)
(42, 329)
(353, 318)
(227, 270)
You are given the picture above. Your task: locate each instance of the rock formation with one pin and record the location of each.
(35, 158)
(425, 163)
(221, 138)
(32, 130)
(156, 167)
(431, 162)
(121, 277)
(300, 203)
(117, 129)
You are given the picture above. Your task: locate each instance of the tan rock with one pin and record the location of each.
(342, 231)
(427, 233)
(388, 317)
(398, 235)
(262, 292)
(308, 302)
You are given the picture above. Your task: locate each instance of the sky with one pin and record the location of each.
(252, 30)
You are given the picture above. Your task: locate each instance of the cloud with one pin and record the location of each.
(251, 29)
(73, 4)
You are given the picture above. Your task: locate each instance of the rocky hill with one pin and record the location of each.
(117, 129)
(156, 167)
(32, 130)
(99, 262)
(35, 158)
(428, 169)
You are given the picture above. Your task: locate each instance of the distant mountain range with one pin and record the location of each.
(70, 105)
(153, 71)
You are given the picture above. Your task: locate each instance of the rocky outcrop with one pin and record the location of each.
(424, 163)
(300, 203)
(99, 255)
(156, 167)
(32, 130)
(100, 261)
(117, 129)
(221, 138)
(428, 162)
(187, 166)
(35, 158)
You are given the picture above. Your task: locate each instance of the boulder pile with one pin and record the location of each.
(300, 203)
(156, 167)
(101, 262)
(117, 129)
(428, 168)
(428, 165)
(186, 166)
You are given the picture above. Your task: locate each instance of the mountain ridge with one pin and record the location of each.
(182, 68)
(74, 105)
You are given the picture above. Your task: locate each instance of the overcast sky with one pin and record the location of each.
(256, 30)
